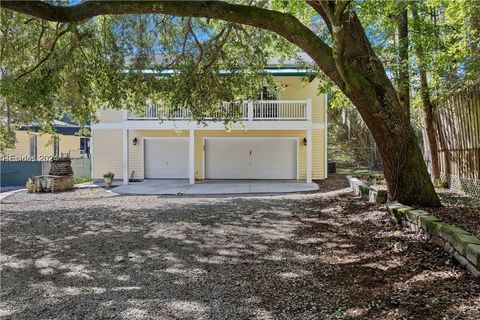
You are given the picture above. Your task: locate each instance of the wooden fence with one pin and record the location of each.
(457, 125)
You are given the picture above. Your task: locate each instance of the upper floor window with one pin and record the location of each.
(33, 146)
(268, 94)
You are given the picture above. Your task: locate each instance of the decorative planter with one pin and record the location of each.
(30, 188)
(108, 181)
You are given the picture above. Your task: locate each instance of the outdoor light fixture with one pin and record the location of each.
(135, 141)
(304, 141)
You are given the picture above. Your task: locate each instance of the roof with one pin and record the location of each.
(293, 66)
(64, 128)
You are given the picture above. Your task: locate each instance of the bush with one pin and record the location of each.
(82, 180)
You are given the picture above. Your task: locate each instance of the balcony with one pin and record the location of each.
(261, 110)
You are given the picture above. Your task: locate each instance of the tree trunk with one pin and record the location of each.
(351, 64)
(426, 102)
(429, 125)
(403, 63)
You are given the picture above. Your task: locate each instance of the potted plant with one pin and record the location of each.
(108, 177)
(30, 186)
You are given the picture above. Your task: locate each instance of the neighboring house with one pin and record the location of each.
(283, 137)
(32, 145)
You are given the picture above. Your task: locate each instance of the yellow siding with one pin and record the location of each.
(135, 157)
(107, 152)
(69, 145)
(110, 115)
(318, 155)
(22, 145)
(44, 145)
(296, 89)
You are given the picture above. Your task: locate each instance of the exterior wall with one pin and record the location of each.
(107, 144)
(70, 145)
(107, 152)
(135, 153)
(295, 88)
(318, 154)
(299, 89)
(201, 134)
(22, 145)
(110, 115)
(44, 146)
(67, 144)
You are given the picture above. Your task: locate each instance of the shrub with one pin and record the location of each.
(109, 175)
(82, 180)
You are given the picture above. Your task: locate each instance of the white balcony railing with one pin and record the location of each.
(262, 110)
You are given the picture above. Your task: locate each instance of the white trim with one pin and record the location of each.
(155, 138)
(243, 138)
(125, 156)
(308, 110)
(204, 146)
(191, 156)
(91, 155)
(309, 155)
(325, 138)
(187, 125)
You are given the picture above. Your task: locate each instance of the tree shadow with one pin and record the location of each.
(280, 257)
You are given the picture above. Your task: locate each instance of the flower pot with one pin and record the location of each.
(30, 188)
(108, 181)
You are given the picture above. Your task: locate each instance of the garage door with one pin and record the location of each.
(251, 158)
(166, 158)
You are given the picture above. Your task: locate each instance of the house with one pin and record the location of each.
(281, 135)
(32, 145)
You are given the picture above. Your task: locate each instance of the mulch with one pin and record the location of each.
(460, 210)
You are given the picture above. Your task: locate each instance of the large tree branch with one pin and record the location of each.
(50, 52)
(281, 23)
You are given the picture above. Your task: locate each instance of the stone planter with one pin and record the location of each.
(372, 194)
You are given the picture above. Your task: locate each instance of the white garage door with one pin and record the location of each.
(251, 158)
(166, 158)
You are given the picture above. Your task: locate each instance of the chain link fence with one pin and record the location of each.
(355, 158)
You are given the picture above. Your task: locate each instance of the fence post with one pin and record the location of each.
(250, 110)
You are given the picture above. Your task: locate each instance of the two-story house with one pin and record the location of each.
(279, 136)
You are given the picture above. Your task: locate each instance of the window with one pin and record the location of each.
(267, 94)
(56, 147)
(266, 108)
(33, 146)
(85, 147)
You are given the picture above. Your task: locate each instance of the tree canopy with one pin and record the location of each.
(82, 56)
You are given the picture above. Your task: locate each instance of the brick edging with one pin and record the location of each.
(463, 246)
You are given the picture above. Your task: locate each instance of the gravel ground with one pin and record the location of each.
(89, 254)
(7, 189)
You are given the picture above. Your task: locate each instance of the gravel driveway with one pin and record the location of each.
(89, 254)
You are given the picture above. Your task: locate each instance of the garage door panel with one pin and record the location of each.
(264, 158)
(166, 158)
